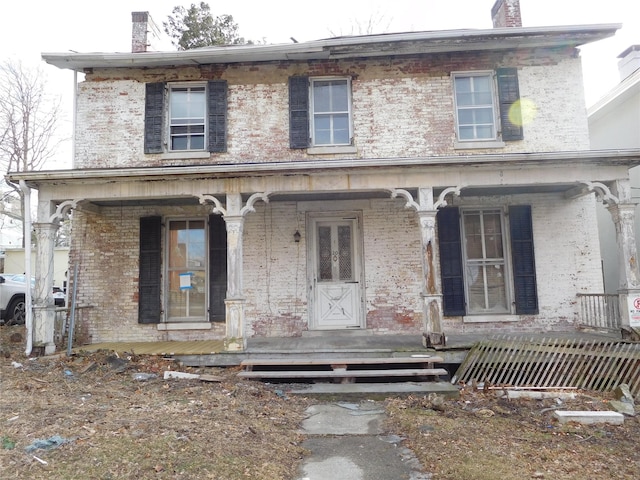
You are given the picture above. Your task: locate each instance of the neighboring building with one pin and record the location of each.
(614, 123)
(10, 221)
(14, 263)
(422, 182)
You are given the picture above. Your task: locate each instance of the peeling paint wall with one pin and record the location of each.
(402, 107)
(275, 268)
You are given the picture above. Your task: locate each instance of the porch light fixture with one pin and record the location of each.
(297, 236)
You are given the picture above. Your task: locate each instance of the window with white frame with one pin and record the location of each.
(485, 265)
(187, 117)
(475, 106)
(331, 111)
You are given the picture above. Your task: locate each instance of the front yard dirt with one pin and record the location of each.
(94, 416)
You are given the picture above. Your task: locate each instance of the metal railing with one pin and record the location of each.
(599, 310)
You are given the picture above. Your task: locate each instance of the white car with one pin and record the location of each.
(12, 298)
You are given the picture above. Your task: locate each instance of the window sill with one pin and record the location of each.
(185, 155)
(329, 150)
(478, 144)
(184, 326)
(495, 318)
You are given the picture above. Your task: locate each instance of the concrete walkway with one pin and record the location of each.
(347, 441)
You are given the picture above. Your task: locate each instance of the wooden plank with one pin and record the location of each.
(404, 372)
(338, 361)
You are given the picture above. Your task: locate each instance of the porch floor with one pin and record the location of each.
(334, 344)
(195, 347)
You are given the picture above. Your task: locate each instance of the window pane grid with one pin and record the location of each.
(475, 107)
(188, 118)
(331, 111)
(485, 263)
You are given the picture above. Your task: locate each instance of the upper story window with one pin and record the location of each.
(320, 113)
(187, 117)
(487, 106)
(475, 109)
(331, 107)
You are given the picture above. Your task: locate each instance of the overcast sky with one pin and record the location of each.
(30, 27)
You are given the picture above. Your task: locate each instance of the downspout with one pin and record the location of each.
(28, 313)
(74, 119)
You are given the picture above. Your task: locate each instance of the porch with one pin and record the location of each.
(212, 353)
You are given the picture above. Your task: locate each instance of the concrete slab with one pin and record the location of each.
(359, 458)
(589, 417)
(374, 391)
(336, 419)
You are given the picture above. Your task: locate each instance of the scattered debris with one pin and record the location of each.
(143, 377)
(171, 374)
(48, 444)
(589, 417)
(16, 364)
(623, 407)
(511, 394)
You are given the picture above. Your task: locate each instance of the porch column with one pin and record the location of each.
(43, 304)
(235, 300)
(432, 284)
(629, 281)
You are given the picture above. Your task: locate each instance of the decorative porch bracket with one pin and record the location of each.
(233, 213)
(427, 210)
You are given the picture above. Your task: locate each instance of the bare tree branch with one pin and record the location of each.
(28, 121)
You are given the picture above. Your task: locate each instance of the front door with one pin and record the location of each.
(336, 271)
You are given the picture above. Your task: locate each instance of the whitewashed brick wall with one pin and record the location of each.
(275, 269)
(402, 108)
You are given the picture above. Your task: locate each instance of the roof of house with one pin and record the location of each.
(409, 43)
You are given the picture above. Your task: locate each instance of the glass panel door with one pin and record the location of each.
(186, 296)
(336, 280)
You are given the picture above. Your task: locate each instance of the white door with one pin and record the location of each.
(336, 286)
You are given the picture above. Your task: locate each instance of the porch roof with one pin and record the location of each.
(587, 158)
(408, 43)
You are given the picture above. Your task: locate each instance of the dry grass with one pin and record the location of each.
(481, 437)
(118, 427)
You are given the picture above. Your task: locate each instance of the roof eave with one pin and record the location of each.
(346, 47)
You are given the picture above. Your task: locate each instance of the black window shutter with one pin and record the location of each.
(524, 265)
(153, 117)
(509, 96)
(217, 92)
(150, 277)
(217, 268)
(298, 112)
(450, 246)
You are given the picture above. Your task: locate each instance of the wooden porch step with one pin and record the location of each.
(302, 361)
(344, 373)
(343, 369)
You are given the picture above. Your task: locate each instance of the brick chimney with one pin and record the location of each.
(144, 32)
(629, 61)
(506, 13)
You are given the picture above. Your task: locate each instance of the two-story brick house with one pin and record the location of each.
(421, 182)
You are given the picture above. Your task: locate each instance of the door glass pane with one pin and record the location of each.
(324, 253)
(186, 295)
(344, 249)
